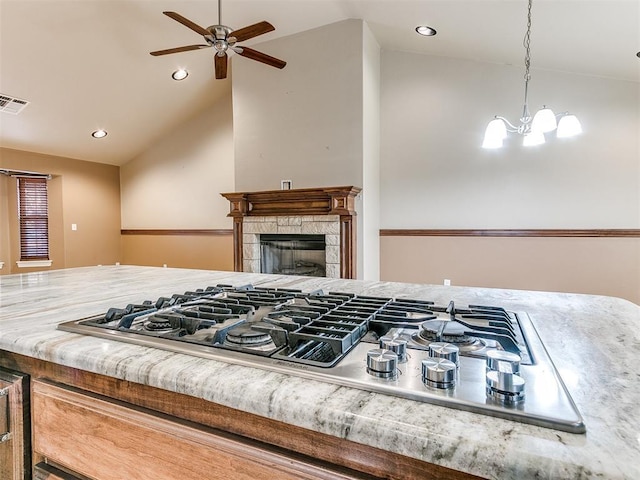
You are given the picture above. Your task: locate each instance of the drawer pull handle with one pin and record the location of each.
(4, 410)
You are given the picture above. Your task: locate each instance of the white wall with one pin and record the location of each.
(370, 219)
(176, 184)
(435, 175)
(316, 122)
(302, 123)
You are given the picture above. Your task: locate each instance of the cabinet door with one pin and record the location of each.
(15, 448)
(103, 439)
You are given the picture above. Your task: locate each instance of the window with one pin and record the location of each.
(33, 217)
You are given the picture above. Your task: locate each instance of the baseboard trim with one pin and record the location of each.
(593, 233)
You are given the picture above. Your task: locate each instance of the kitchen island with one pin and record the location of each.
(592, 340)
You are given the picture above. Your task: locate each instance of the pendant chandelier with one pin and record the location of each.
(532, 129)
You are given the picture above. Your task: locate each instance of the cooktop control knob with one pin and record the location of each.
(506, 388)
(396, 345)
(504, 382)
(444, 350)
(382, 363)
(439, 373)
(505, 362)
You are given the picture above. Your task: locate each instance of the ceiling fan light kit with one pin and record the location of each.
(223, 39)
(531, 128)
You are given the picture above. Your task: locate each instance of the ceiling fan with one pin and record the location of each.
(223, 39)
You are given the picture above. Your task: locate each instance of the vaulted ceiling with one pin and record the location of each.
(85, 65)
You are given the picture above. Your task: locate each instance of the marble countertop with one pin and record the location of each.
(593, 341)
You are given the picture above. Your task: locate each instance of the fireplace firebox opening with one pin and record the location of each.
(293, 254)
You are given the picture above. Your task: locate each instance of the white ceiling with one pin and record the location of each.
(85, 64)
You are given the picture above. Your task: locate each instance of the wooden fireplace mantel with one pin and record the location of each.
(298, 202)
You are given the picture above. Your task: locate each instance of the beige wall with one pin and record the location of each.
(599, 266)
(209, 252)
(84, 193)
(176, 184)
(175, 187)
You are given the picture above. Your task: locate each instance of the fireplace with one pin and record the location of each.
(325, 213)
(293, 254)
(293, 227)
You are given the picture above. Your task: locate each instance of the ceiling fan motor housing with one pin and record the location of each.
(219, 38)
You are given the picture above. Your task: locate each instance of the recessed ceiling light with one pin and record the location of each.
(638, 54)
(99, 134)
(426, 31)
(180, 74)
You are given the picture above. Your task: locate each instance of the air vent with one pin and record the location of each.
(12, 105)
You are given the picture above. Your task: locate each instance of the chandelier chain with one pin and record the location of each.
(527, 44)
(526, 116)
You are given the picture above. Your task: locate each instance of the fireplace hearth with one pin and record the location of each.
(327, 213)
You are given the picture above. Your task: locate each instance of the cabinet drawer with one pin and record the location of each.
(108, 440)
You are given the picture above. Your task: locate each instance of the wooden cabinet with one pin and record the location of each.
(104, 439)
(99, 415)
(15, 450)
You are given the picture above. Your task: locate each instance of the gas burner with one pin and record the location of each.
(157, 324)
(449, 332)
(245, 337)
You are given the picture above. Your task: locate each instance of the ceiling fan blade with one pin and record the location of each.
(178, 49)
(260, 57)
(221, 66)
(188, 23)
(252, 31)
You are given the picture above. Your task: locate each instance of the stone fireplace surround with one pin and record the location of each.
(326, 210)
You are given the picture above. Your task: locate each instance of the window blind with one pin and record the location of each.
(33, 216)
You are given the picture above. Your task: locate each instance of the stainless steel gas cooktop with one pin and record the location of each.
(479, 358)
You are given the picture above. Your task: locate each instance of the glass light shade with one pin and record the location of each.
(491, 143)
(533, 138)
(494, 134)
(569, 126)
(544, 121)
